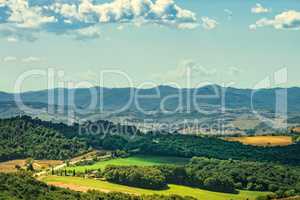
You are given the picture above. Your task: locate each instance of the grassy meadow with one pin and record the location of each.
(82, 184)
(139, 160)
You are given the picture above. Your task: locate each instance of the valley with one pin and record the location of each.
(149, 100)
(137, 160)
(121, 158)
(165, 156)
(81, 184)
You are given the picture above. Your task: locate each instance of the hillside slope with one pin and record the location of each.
(22, 138)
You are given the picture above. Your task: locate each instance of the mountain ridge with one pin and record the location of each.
(171, 97)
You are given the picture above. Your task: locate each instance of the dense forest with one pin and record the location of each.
(219, 166)
(20, 138)
(86, 129)
(22, 186)
(190, 146)
(283, 180)
(24, 136)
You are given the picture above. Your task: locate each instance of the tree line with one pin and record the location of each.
(136, 176)
(211, 174)
(211, 147)
(22, 137)
(159, 177)
(26, 137)
(22, 186)
(283, 180)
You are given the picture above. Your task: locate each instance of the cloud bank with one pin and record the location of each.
(288, 20)
(9, 59)
(82, 17)
(31, 59)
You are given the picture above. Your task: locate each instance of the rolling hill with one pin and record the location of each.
(116, 98)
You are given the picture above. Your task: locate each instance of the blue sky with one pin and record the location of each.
(232, 42)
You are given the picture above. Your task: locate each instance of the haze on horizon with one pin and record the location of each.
(143, 43)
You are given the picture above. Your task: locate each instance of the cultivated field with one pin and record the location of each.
(81, 184)
(296, 130)
(85, 156)
(246, 123)
(10, 166)
(263, 140)
(134, 160)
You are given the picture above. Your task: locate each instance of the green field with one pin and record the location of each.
(81, 183)
(139, 160)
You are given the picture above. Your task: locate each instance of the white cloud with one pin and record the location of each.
(208, 23)
(229, 13)
(12, 39)
(187, 26)
(234, 71)
(200, 70)
(11, 31)
(9, 59)
(120, 28)
(164, 12)
(25, 60)
(2, 2)
(68, 11)
(252, 27)
(66, 16)
(288, 20)
(27, 17)
(86, 33)
(31, 59)
(188, 70)
(258, 8)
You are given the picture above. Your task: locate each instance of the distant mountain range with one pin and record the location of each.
(168, 98)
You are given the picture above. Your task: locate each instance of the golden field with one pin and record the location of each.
(296, 130)
(263, 140)
(10, 166)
